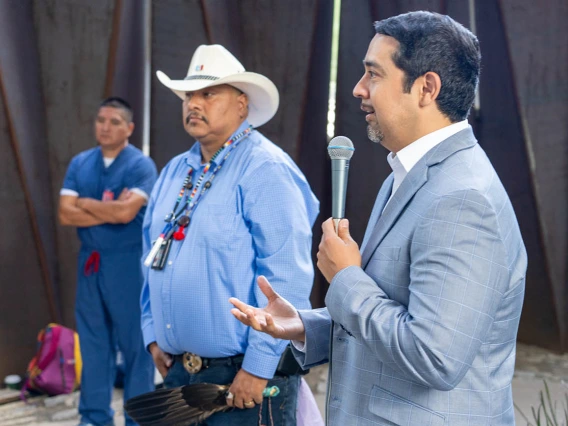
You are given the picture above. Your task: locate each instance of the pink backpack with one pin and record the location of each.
(56, 367)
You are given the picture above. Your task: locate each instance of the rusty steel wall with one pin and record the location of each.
(88, 51)
(177, 30)
(28, 266)
(73, 39)
(537, 38)
(59, 58)
(499, 127)
(277, 40)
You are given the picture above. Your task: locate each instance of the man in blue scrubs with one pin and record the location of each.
(104, 195)
(230, 209)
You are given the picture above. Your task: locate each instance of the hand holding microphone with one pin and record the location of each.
(337, 249)
(340, 150)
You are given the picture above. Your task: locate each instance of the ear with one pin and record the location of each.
(242, 101)
(130, 128)
(431, 84)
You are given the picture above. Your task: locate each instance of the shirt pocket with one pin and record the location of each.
(383, 254)
(386, 270)
(401, 411)
(219, 224)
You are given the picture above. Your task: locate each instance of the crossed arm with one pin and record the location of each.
(84, 212)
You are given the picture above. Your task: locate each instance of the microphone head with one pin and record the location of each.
(340, 148)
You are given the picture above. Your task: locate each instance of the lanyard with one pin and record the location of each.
(186, 185)
(173, 219)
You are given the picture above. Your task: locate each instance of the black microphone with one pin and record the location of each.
(340, 150)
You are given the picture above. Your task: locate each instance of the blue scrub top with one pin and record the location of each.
(88, 176)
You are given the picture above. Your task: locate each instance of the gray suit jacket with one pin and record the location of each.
(424, 333)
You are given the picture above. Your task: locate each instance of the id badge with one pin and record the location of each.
(162, 256)
(108, 195)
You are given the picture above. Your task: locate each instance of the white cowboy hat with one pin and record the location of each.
(214, 65)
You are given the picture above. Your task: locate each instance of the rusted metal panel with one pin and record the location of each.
(126, 60)
(500, 131)
(223, 24)
(278, 43)
(312, 155)
(538, 43)
(177, 30)
(524, 120)
(66, 46)
(73, 38)
(281, 53)
(28, 267)
(23, 303)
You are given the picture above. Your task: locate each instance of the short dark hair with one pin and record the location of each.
(432, 42)
(119, 103)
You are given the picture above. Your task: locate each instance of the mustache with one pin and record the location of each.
(195, 115)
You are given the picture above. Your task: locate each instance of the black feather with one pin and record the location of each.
(180, 406)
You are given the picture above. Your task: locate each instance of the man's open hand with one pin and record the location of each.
(279, 318)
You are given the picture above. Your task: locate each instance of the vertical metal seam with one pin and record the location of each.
(113, 48)
(147, 16)
(298, 147)
(206, 22)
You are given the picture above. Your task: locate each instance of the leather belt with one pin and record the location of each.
(194, 363)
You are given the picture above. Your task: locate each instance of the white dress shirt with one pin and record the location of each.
(404, 160)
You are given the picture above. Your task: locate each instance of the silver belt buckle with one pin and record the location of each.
(192, 362)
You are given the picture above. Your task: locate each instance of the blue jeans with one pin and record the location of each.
(276, 411)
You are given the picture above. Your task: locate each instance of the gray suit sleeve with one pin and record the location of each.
(318, 330)
(458, 277)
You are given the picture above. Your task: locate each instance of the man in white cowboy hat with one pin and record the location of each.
(232, 208)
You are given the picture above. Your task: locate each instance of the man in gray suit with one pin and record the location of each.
(420, 325)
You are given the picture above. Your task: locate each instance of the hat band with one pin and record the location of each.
(201, 77)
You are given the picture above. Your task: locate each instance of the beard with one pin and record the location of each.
(375, 134)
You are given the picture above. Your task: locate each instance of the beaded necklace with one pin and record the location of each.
(175, 222)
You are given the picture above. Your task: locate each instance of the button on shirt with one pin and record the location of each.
(255, 219)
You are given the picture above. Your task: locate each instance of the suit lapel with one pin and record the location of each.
(413, 181)
(380, 202)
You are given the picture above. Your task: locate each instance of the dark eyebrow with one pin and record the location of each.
(373, 64)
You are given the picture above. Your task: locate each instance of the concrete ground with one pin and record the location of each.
(534, 365)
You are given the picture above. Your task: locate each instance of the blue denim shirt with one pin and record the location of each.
(256, 219)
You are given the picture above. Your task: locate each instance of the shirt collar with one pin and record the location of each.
(413, 153)
(193, 157)
(398, 170)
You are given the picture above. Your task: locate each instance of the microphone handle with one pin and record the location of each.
(339, 170)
